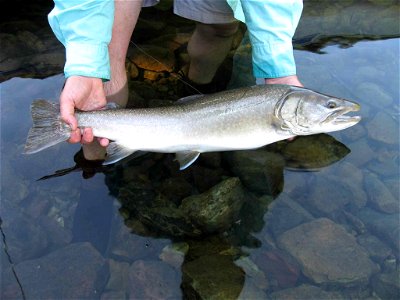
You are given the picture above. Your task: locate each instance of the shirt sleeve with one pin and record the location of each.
(271, 26)
(84, 28)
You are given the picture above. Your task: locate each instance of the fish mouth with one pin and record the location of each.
(339, 117)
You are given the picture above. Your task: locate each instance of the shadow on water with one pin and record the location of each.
(314, 218)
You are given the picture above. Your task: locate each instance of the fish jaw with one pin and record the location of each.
(339, 119)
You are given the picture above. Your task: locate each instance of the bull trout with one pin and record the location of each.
(245, 118)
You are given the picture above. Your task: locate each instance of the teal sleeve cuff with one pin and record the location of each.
(273, 60)
(87, 60)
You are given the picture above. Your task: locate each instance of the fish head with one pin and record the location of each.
(305, 112)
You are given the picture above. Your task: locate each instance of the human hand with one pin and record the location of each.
(291, 80)
(84, 93)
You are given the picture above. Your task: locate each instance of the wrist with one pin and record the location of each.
(290, 80)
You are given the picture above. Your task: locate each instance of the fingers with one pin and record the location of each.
(103, 142)
(87, 136)
(84, 93)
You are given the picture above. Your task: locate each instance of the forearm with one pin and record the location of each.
(271, 26)
(84, 28)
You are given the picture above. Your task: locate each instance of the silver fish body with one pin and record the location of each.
(245, 118)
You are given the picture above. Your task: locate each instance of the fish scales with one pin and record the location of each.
(244, 118)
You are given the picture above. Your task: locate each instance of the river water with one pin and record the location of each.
(316, 218)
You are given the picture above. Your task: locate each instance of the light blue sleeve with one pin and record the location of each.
(271, 25)
(84, 28)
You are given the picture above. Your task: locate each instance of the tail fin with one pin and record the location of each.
(48, 129)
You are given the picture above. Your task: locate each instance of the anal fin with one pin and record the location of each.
(186, 158)
(116, 152)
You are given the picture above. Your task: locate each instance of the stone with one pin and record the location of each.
(384, 163)
(327, 253)
(126, 246)
(26, 239)
(131, 69)
(119, 272)
(284, 214)
(328, 196)
(216, 209)
(171, 41)
(279, 268)
(377, 250)
(212, 277)
(361, 152)
(313, 152)
(176, 188)
(379, 196)
(251, 291)
(204, 177)
(384, 226)
(370, 90)
(151, 75)
(150, 279)
(387, 285)
(174, 254)
(153, 58)
(383, 128)
(259, 170)
(305, 291)
(113, 295)
(253, 273)
(77, 271)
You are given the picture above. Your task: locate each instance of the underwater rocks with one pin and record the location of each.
(209, 271)
(384, 129)
(260, 171)
(327, 253)
(62, 275)
(212, 277)
(305, 291)
(216, 209)
(153, 280)
(313, 152)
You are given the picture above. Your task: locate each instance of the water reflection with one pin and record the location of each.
(239, 224)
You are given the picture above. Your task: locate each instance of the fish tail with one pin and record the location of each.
(48, 128)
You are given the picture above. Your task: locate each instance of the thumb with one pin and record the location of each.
(67, 111)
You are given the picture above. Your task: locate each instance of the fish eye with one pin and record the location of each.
(331, 104)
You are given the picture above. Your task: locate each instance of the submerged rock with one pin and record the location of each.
(153, 58)
(77, 271)
(331, 194)
(284, 214)
(212, 277)
(386, 226)
(153, 280)
(174, 254)
(327, 253)
(384, 129)
(313, 152)
(387, 285)
(260, 171)
(305, 291)
(377, 250)
(216, 209)
(379, 196)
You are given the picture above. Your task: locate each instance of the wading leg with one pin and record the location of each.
(207, 48)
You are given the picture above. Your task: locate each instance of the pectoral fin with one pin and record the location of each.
(186, 158)
(116, 152)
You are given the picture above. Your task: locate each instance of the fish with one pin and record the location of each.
(237, 119)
